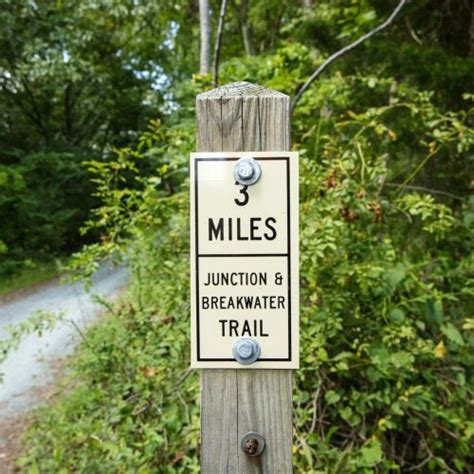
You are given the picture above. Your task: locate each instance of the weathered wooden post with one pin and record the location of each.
(243, 117)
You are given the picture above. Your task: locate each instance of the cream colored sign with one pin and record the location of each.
(244, 260)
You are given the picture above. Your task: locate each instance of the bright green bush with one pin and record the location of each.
(386, 294)
(386, 381)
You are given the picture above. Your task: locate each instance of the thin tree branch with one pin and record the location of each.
(181, 379)
(315, 409)
(217, 47)
(412, 32)
(346, 50)
(427, 190)
(422, 463)
(412, 176)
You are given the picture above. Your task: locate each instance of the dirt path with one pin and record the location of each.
(29, 371)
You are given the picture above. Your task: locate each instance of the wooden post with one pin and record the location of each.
(244, 117)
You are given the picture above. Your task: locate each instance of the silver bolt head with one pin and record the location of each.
(247, 171)
(246, 350)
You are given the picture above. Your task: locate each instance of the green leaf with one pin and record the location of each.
(395, 276)
(468, 219)
(380, 357)
(346, 413)
(452, 333)
(306, 452)
(397, 315)
(332, 397)
(434, 311)
(401, 359)
(371, 453)
(469, 431)
(322, 354)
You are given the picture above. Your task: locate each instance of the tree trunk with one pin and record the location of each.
(307, 4)
(205, 59)
(217, 48)
(471, 33)
(245, 28)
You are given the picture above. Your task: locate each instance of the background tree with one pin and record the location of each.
(205, 27)
(76, 80)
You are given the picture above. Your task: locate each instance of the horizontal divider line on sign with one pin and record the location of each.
(260, 359)
(243, 255)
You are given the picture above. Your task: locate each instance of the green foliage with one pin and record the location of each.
(133, 406)
(387, 290)
(79, 75)
(384, 301)
(38, 323)
(44, 199)
(32, 273)
(75, 80)
(134, 365)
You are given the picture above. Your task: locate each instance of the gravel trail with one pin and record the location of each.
(30, 370)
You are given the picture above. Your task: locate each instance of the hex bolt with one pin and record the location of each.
(252, 444)
(247, 171)
(246, 350)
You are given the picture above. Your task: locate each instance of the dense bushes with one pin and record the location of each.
(386, 383)
(45, 198)
(386, 276)
(386, 292)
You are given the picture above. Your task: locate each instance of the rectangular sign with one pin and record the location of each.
(244, 260)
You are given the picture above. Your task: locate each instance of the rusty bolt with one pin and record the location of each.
(251, 447)
(252, 444)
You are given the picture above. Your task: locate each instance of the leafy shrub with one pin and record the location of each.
(44, 199)
(386, 277)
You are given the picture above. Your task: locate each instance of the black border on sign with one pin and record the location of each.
(198, 256)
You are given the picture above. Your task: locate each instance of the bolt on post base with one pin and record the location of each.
(252, 444)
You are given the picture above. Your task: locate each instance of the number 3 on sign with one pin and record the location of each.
(245, 195)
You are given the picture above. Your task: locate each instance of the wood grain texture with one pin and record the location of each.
(244, 117)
